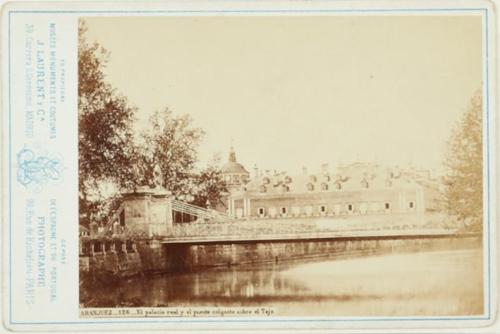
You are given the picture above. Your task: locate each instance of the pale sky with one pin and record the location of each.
(302, 91)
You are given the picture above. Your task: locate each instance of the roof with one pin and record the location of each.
(354, 177)
(234, 168)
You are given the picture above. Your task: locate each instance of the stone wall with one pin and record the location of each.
(120, 263)
(140, 257)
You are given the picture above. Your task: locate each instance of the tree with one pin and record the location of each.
(463, 183)
(168, 158)
(106, 146)
(210, 187)
(169, 152)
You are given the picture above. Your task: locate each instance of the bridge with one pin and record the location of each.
(311, 236)
(150, 214)
(170, 235)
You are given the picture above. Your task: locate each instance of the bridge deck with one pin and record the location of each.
(330, 235)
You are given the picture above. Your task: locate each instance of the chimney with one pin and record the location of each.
(324, 169)
(304, 170)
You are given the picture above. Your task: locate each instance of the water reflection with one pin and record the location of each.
(430, 283)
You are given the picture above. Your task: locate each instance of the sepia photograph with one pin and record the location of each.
(308, 165)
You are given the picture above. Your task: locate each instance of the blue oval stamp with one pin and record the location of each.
(37, 168)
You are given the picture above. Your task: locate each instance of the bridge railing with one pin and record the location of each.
(246, 228)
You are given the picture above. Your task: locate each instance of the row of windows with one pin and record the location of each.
(363, 207)
(324, 186)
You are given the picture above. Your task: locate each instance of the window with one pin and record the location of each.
(324, 186)
(338, 186)
(364, 183)
(387, 206)
(288, 179)
(310, 186)
(411, 205)
(322, 208)
(285, 188)
(283, 210)
(349, 207)
(262, 189)
(313, 178)
(261, 211)
(266, 180)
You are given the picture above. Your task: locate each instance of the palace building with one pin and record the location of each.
(354, 189)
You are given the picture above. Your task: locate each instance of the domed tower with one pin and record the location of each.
(234, 173)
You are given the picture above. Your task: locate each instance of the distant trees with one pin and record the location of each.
(463, 182)
(113, 157)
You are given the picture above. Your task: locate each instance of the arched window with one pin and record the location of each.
(310, 187)
(266, 180)
(313, 178)
(364, 183)
(263, 189)
(285, 188)
(338, 185)
(324, 186)
(288, 179)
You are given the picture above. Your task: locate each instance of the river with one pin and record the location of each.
(408, 284)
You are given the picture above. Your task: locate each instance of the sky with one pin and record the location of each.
(301, 91)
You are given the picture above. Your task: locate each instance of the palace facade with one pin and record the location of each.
(354, 189)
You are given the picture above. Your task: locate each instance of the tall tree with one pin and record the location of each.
(463, 191)
(169, 152)
(106, 146)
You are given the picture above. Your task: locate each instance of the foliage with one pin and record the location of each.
(463, 191)
(105, 120)
(169, 152)
(210, 186)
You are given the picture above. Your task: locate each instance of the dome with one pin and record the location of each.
(234, 168)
